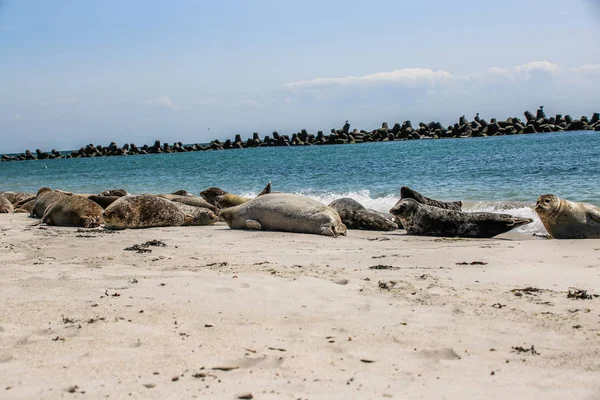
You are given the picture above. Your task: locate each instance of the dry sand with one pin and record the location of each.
(221, 314)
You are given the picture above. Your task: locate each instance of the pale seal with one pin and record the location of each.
(564, 219)
(201, 216)
(73, 211)
(408, 193)
(421, 219)
(6, 207)
(144, 211)
(45, 196)
(355, 216)
(287, 213)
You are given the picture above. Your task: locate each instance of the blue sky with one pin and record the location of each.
(78, 72)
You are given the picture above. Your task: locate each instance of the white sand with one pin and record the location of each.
(295, 315)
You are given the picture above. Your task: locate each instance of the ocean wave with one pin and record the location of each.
(385, 203)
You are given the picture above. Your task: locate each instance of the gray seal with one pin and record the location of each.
(73, 211)
(17, 197)
(408, 193)
(564, 219)
(355, 216)
(26, 208)
(287, 213)
(144, 211)
(421, 219)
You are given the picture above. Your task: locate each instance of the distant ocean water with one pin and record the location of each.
(498, 174)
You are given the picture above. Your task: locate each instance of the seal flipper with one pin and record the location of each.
(253, 224)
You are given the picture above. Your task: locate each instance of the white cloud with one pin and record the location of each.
(163, 101)
(407, 76)
(586, 69)
(68, 100)
(18, 117)
(523, 71)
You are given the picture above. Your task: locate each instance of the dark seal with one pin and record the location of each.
(421, 219)
(408, 193)
(355, 216)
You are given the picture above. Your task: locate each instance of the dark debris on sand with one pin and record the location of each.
(580, 294)
(143, 248)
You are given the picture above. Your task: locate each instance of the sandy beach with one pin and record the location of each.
(225, 314)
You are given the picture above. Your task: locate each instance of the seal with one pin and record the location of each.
(73, 211)
(421, 219)
(408, 193)
(182, 193)
(221, 199)
(211, 194)
(189, 200)
(114, 192)
(201, 216)
(17, 197)
(355, 216)
(144, 211)
(45, 196)
(287, 213)
(26, 208)
(6, 207)
(564, 219)
(103, 201)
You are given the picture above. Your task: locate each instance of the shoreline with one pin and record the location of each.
(219, 313)
(478, 127)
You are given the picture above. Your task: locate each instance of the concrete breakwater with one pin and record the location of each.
(478, 127)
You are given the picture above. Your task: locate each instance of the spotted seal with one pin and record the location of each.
(73, 211)
(285, 212)
(564, 219)
(408, 193)
(421, 219)
(201, 216)
(144, 211)
(194, 201)
(355, 216)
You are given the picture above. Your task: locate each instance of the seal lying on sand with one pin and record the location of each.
(564, 219)
(144, 211)
(73, 211)
(421, 219)
(189, 200)
(6, 207)
(26, 208)
(45, 196)
(114, 192)
(17, 197)
(408, 193)
(287, 213)
(221, 199)
(182, 193)
(355, 216)
(201, 216)
(103, 201)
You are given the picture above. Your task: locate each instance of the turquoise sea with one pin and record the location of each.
(502, 173)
